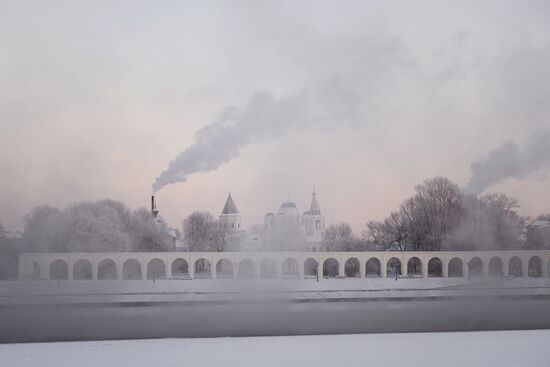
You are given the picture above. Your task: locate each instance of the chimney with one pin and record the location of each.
(154, 207)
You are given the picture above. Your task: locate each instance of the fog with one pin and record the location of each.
(97, 99)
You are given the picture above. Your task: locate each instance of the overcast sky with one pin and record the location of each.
(97, 97)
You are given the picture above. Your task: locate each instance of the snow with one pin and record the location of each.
(494, 348)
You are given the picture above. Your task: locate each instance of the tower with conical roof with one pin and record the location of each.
(230, 217)
(314, 221)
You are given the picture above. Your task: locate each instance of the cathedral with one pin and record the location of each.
(286, 230)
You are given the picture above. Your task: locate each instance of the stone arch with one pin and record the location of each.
(35, 270)
(496, 267)
(330, 268)
(131, 270)
(414, 267)
(179, 268)
(224, 269)
(59, 270)
(534, 267)
(82, 270)
(290, 268)
(202, 268)
(435, 268)
(156, 269)
(456, 269)
(352, 268)
(393, 267)
(475, 267)
(106, 270)
(310, 267)
(246, 268)
(268, 269)
(515, 267)
(373, 268)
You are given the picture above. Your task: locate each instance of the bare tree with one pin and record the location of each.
(440, 216)
(340, 237)
(202, 232)
(436, 210)
(222, 237)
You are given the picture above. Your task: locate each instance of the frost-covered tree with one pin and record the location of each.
(538, 233)
(46, 229)
(146, 232)
(96, 227)
(489, 222)
(106, 225)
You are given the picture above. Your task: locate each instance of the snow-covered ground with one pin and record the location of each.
(493, 348)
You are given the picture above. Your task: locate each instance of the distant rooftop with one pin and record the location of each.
(230, 207)
(540, 223)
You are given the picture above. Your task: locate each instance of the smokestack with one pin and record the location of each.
(154, 206)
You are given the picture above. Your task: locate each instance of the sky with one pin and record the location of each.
(361, 99)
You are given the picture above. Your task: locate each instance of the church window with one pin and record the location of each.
(318, 224)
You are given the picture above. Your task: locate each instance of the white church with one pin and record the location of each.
(287, 230)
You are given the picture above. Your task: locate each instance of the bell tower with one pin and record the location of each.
(230, 217)
(314, 221)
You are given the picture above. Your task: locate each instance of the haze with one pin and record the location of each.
(96, 99)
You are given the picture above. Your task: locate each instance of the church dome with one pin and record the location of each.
(288, 208)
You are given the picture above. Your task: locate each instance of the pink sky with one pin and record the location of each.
(97, 99)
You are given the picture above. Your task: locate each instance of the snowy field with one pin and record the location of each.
(460, 349)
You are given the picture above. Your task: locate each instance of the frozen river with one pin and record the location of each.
(92, 322)
(48, 311)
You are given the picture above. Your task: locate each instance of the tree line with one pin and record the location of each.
(439, 216)
(442, 217)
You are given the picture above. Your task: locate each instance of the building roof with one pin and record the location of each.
(288, 208)
(314, 208)
(230, 207)
(540, 223)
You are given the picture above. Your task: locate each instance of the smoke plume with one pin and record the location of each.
(345, 97)
(511, 160)
(263, 118)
